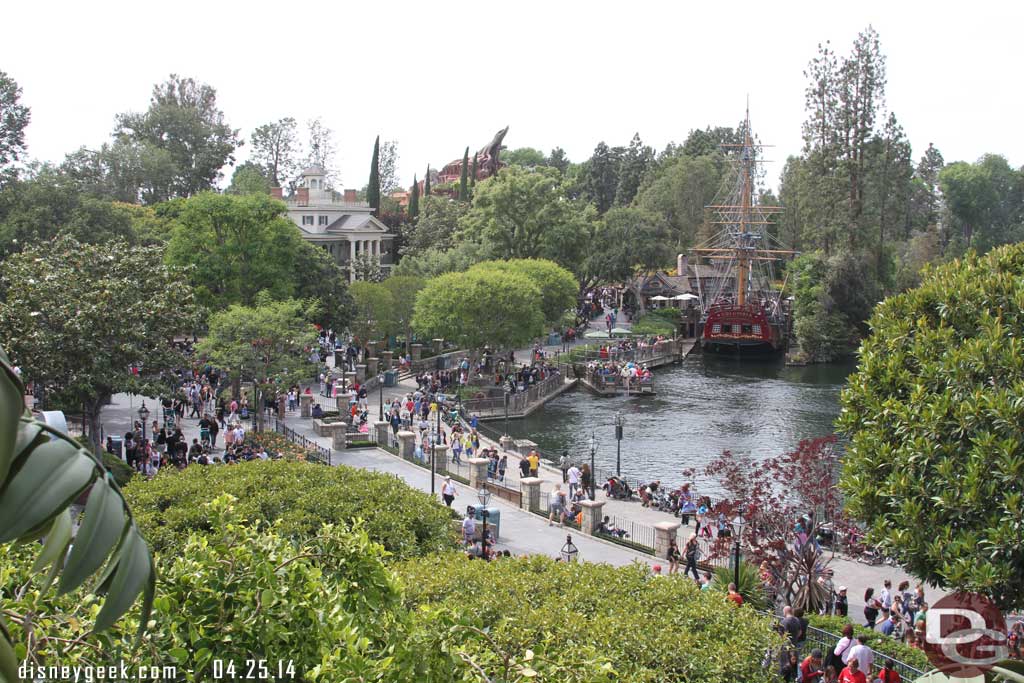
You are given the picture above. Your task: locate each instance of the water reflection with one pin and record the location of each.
(704, 406)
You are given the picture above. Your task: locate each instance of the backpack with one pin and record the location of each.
(834, 659)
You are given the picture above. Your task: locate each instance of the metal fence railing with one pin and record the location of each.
(317, 453)
(827, 641)
(630, 534)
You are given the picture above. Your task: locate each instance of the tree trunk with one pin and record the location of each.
(91, 415)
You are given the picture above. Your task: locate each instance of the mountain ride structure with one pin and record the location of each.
(740, 310)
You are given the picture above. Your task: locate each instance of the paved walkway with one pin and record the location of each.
(521, 532)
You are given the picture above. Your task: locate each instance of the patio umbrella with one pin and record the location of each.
(685, 297)
(596, 334)
(659, 298)
(621, 330)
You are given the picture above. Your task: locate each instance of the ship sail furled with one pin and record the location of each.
(739, 308)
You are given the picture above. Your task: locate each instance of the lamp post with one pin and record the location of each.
(618, 444)
(569, 550)
(380, 386)
(484, 496)
(737, 528)
(508, 392)
(593, 472)
(143, 417)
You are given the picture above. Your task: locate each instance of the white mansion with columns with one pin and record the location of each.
(344, 227)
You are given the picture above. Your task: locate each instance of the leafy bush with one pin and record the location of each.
(935, 463)
(749, 587)
(878, 642)
(117, 467)
(653, 324)
(299, 496)
(328, 606)
(646, 628)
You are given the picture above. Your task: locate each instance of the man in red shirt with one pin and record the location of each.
(810, 668)
(852, 673)
(733, 595)
(887, 674)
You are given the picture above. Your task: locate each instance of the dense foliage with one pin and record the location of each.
(298, 496)
(79, 317)
(645, 628)
(935, 464)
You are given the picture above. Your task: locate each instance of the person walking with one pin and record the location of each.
(563, 464)
(573, 476)
(448, 492)
(674, 556)
(691, 553)
(534, 460)
(871, 608)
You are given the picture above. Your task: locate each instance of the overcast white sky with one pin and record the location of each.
(437, 76)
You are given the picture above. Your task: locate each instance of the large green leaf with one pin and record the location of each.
(102, 527)
(8, 660)
(52, 475)
(11, 408)
(134, 571)
(56, 543)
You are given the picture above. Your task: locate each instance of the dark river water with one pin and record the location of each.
(707, 404)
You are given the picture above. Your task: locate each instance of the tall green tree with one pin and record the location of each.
(79, 317)
(266, 344)
(426, 183)
(523, 156)
(637, 160)
(601, 177)
(185, 128)
(414, 198)
(558, 159)
(374, 304)
(388, 168)
(276, 149)
(318, 277)
(236, 247)
(472, 176)
(403, 289)
(935, 464)
(526, 214)
(248, 178)
(14, 118)
(627, 242)
(438, 225)
(678, 195)
(557, 285)
(464, 178)
(478, 308)
(373, 189)
(985, 201)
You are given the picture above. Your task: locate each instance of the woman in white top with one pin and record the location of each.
(448, 492)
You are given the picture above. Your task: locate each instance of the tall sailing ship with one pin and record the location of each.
(740, 309)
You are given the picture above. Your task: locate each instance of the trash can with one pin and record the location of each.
(554, 339)
(390, 378)
(117, 444)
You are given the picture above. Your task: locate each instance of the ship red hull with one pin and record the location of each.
(745, 328)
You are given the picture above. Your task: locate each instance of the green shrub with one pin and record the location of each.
(880, 643)
(117, 467)
(329, 606)
(299, 496)
(648, 629)
(749, 587)
(654, 324)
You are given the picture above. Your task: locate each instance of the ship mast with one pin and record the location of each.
(743, 266)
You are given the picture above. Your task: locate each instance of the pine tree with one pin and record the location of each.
(472, 177)
(414, 198)
(373, 190)
(464, 179)
(426, 184)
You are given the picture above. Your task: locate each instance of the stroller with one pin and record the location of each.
(618, 488)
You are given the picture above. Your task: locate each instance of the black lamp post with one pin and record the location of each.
(484, 496)
(737, 528)
(618, 444)
(593, 472)
(143, 417)
(508, 393)
(380, 385)
(569, 551)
